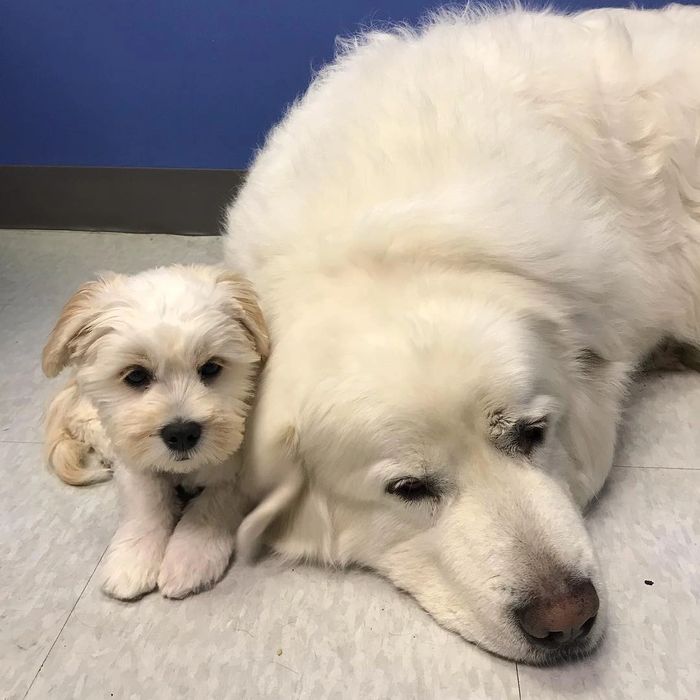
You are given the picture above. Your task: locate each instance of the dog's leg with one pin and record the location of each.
(148, 513)
(201, 546)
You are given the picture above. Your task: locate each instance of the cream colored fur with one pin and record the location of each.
(459, 231)
(170, 322)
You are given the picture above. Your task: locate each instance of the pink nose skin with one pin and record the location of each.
(555, 622)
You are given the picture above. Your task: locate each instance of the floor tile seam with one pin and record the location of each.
(63, 626)
(20, 442)
(657, 467)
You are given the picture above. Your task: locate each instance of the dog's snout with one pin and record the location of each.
(181, 436)
(561, 619)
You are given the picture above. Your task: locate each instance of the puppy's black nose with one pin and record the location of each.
(181, 436)
(562, 619)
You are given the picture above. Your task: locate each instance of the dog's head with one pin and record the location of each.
(426, 438)
(169, 358)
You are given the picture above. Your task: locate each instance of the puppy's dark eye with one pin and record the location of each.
(209, 370)
(138, 377)
(411, 488)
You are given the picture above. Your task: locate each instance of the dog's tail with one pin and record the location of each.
(74, 443)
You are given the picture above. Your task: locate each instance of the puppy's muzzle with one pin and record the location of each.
(181, 436)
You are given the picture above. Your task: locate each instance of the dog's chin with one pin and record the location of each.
(562, 655)
(534, 655)
(182, 464)
(152, 455)
(162, 461)
(188, 462)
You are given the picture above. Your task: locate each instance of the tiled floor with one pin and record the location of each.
(270, 631)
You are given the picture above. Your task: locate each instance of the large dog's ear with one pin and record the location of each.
(246, 310)
(283, 485)
(74, 323)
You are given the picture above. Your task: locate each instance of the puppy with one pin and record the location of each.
(166, 363)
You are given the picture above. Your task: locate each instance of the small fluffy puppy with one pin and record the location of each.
(166, 363)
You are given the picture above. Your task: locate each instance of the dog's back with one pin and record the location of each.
(554, 146)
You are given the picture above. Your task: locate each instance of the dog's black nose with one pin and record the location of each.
(181, 436)
(556, 621)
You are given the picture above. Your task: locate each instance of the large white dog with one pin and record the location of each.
(465, 238)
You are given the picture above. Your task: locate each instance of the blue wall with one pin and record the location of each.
(165, 83)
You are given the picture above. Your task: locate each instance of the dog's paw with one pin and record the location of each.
(131, 567)
(193, 564)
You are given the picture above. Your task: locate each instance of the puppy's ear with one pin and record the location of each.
(246, 310)
(73, 323)
(279, 495)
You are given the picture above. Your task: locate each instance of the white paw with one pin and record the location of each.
(131, 566)
(194, 563)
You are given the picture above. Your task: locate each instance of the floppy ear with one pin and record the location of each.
(246, 310)
(277, 499)
(73, 323)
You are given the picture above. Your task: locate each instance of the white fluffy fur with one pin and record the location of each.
(170, 321)
(482, 222)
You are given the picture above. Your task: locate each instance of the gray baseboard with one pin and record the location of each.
(148, 200)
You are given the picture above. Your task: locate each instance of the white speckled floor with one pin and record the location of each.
(269, 631)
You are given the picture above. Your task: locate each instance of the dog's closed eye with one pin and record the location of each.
(412, 488)
(522, 432)
(527, 436)
(521, 436)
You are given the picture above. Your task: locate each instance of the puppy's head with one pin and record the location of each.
(169, 357)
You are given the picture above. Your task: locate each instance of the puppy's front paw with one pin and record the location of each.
(194, 563)
(131, 567)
